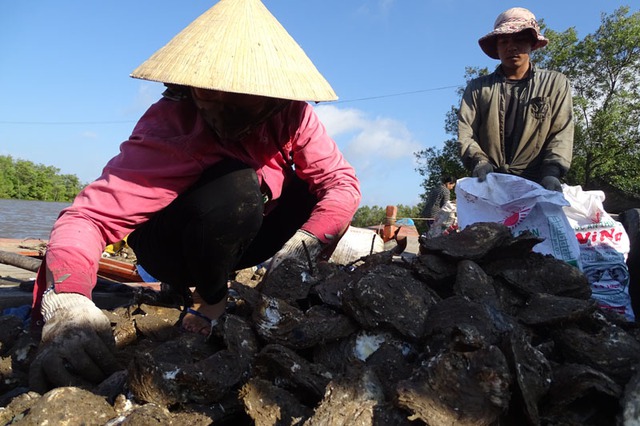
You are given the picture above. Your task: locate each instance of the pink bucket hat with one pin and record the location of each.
(514, 20)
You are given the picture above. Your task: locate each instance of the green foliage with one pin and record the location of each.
(435, 163)
(603, 70)
(367, 216)
(412, 212)
(24, 180)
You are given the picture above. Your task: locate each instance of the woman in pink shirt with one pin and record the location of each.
(230, 168)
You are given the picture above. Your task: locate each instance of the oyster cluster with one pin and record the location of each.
(476, 330)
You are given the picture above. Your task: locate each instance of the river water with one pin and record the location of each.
(22, 219)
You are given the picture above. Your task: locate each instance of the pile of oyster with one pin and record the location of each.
(476, 330)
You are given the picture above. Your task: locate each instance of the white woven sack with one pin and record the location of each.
(521, 205)
(604, 247)
(356, 243)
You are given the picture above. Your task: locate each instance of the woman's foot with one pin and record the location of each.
(201, 315)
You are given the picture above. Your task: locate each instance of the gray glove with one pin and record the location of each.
(77, 346)
(551, 183)
(481, 170)
(295, 247)
(550, 177)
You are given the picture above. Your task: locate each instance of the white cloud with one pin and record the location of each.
(381, 151)
(89, 135)
(147, 94)
(381, 137)
(385, 5)
(340, 121)
(386, 138)
(379, 10)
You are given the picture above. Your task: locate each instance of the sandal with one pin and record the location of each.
(206, 326)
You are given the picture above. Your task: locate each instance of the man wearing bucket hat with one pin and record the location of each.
(518, 119)
(230, 168)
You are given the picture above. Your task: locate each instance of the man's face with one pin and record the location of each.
(234, 115)
(514, 49)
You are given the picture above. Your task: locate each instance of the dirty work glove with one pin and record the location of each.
(481, 169)
(550, 177)
(551, 183)
(77, 346)
(294, 248)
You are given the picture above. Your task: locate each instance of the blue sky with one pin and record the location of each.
(68, 100)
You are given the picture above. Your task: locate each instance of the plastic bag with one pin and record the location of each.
(521, 205)
(446, 221)
(604, 247)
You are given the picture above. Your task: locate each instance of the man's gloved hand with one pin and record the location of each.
(295, 247)
(481, 170)
(551, 183)
(77, 346)
(550, 177)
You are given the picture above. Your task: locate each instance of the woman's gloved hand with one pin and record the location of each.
(295, 247)
(77, 346)
(481, 170)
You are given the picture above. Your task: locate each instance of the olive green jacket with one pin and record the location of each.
(547, 135)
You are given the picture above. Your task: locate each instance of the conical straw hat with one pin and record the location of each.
(238, 46)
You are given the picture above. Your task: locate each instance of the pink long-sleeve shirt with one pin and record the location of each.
(170, 147)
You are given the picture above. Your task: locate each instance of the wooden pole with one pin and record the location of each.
(389, 229)
(20, 261)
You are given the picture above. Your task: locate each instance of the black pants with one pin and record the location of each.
(217, 227)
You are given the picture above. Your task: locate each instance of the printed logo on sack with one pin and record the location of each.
(516, 218)
(611, 236)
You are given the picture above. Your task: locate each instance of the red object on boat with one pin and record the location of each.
(118, 270)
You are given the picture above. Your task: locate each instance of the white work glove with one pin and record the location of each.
(481, 170)
(77, 346)
(295, 247)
